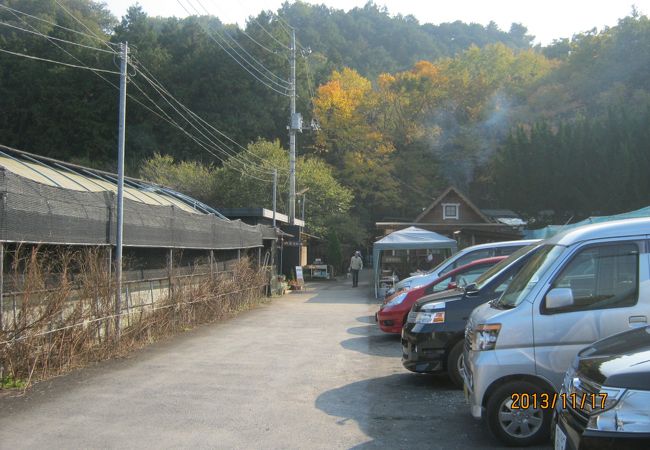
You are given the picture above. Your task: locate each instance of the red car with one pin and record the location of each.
(392, 314)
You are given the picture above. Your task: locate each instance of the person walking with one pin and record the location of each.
(356, 264)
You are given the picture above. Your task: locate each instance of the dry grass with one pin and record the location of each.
(63, 321)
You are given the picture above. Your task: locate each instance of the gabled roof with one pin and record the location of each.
(442, 196)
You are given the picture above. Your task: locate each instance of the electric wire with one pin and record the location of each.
(15, 11)
(38, 33)
(187, 109)
(282, 85)
(94, 69)
(82, 24)
(159, 85)
(271, 35)
(205, 125)
(201, 143)
(265, 83)
(234, 157)
(310, 82)
(285, 82)
(82, 63)
(281, 21)
(274, 52)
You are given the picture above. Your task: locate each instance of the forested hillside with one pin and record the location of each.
(403, 108)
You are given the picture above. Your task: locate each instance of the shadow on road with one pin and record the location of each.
(384, 345)
(366, 319)
(407, 411)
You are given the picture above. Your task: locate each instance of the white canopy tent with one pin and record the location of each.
(410, 238)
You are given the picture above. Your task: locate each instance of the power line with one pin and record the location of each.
(281, 21)
(38, 33)
(274, 52)
(82, 24)
(94, 69)
(265, 83)
(159, 86)
(49, 38)
(282, 85)
(50, 23)
(272, 37)
(243, 31)
(286, 83)
(204, 124)
(201, 143)
(169, 120)
(246, 164)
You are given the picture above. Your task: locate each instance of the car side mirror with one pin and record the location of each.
(452, 285)
(559, 298)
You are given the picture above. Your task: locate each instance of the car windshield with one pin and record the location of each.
(446, 261)
(529, 276)
(495, 270)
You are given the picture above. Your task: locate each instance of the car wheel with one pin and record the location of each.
(455, 363)
(517, 426)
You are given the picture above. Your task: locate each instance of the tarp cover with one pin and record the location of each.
(408, 239)
(550, 230)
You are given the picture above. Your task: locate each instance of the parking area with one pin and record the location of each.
(308, 370)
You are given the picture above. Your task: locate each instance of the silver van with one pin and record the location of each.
(583, 285)
(465, 256)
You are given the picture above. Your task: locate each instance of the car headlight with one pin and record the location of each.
(485, 336)
(397, 300)
(624, 411)
(431, 313)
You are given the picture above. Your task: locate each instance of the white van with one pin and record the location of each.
(583, 285)
(465, 256)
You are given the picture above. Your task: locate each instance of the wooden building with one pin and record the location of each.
(452, 214)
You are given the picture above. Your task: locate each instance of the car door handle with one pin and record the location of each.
(638, 319)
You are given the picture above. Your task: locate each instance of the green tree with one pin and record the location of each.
(188, 177)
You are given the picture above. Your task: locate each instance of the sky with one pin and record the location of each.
(545, 19)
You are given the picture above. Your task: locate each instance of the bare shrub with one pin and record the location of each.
(62, 313)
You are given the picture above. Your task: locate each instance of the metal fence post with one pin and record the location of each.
(170, 269)
(2, 285)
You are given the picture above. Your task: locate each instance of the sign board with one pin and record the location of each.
(299, 274)
(292, 243)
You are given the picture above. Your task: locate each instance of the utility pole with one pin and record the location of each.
(294, 126)
(275, 193)
(120, 187)
(304, 198)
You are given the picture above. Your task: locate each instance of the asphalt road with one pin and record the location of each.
(308, 370)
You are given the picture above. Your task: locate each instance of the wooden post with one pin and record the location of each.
(211, 264)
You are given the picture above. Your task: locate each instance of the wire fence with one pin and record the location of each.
(51, 331)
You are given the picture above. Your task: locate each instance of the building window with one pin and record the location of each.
(450, 211)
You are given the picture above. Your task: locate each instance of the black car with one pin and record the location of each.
(433, 336)
(605, 399)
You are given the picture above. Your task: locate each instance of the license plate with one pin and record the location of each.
(560, 438)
